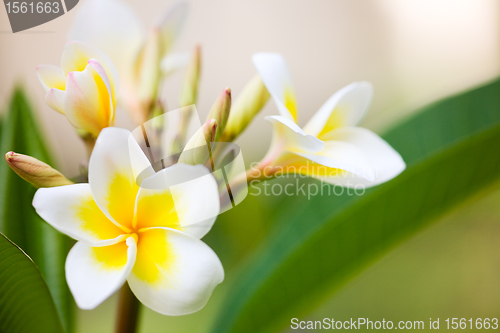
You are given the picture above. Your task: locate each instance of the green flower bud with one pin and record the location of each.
(148, 73)
(220, 111)
(189, 92)
(248, 104)
(197, 150)
(34, 171)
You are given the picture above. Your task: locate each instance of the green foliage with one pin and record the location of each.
(314, 248)
(25, 303)
(18, 220)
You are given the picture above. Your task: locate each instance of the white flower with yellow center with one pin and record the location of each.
(146, 234)
(330, 147)
(83, 87)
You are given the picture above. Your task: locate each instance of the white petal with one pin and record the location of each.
(71, 209)
(345, 108)
(51, 76)
(171, 24)
(277, 79)
(384, 162)
(174, 273)
(87, 103)
(76, 56)
(95, 273)
(183, 197)
(55, 99)
(116, 163)
(343, 156)
(172, 62)
(294, 137)
(113, 27)
(99, 70)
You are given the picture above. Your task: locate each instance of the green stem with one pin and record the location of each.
(128, 311)
(89, 142)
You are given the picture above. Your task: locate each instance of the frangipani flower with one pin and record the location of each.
(139, 56)
(143, 233)
(83, 88)
(330, 147)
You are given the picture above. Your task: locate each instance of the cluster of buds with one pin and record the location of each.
(85, 89)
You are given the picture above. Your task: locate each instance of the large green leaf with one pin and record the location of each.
(26, 305)
(18, 220)
(451, 150)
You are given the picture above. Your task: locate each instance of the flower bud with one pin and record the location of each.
(197, 150)
(34, 171)
(189, 92)
(220, 111)
(209, 130)
(250, 101)
(148, 74)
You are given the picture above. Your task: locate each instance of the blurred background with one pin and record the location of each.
(413, 51)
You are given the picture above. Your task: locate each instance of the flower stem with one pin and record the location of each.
(89, 142)
(128, 311)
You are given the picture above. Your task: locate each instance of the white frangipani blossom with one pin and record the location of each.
(146, 234)
(330, 147)
(83, 87)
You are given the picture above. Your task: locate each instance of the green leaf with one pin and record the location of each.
(18, 220)
(26, 305)
(451, 151)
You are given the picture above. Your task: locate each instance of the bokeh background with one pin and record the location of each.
(413, 51)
